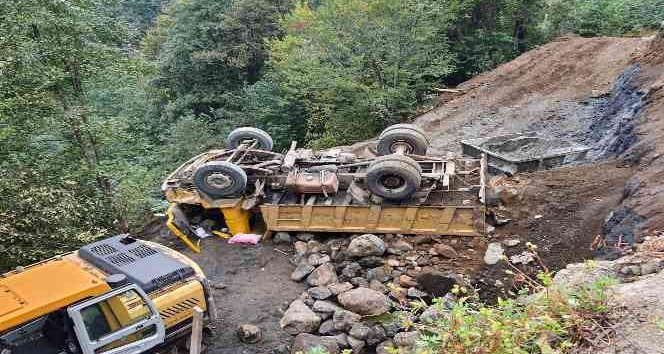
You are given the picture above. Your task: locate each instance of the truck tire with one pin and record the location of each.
(245, 134)
(393, 178)
(220, 179)
(397, 157)
(402, 126)
(411, 140)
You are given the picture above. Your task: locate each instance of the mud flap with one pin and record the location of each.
(179, 225)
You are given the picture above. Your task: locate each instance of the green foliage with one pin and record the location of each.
(549, 321)
(350, 83)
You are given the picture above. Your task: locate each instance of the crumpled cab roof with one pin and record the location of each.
(47, 287)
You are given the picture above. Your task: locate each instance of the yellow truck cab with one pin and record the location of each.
(119, 295)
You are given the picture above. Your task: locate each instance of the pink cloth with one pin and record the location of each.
(247, 239)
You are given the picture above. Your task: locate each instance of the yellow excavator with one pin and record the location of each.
(118, 295)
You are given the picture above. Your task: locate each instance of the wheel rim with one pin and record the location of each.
(401, 146)
(392, 183)
(219, 181)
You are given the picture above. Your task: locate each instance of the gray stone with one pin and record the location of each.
(351, 270)
(341, 339)
(407, 281)
(299, 319)
(314, 246)
(282, 237)
(511, 242)
(372, 261)
(650, 267)
(379, 274)
(324, 315)
(325, 306)
(432, 314)
(300, 248)
(360, 282)
(301, 271)
(304, 236)
(399, 247)
(327, 328)
(338, 288)
(323, 275)
(316, 259)
(493, 254)
(249, 333)
(356, 344)
(366, 245)
(344, 320)
(416, 293)
(445, 250)
(405, 339)
(305, 342)
(395, 322)
(360, 331)
(376, 335)
(385, 347)
(378, 286)
(364, 301)
(319, 292)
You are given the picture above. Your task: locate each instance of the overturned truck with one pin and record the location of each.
(249, 188)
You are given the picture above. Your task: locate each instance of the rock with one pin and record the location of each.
(219, 285)
(314, 246)
(378, 286)
(433, 313)
(524, 258)
(351, 270)
(249, 333)
(316, 259)
(338, 255)
(282, 237)
(364, 301)
(319, 292)
(407, 281)
(341, 339)
(360, 331)
(300, 248)
(650, 267)
(493, 253)
(422, 239)
(281, 349)
(372, 261)
(376, 335)
(385, 347)
(305, 342)
(405, 339)
(416, 293)
(393, 262)
(323, 275)
(438, 284)
(301, 271)
(325, 306)
(338, 288)
(324, 315)
(344, 320)
(304, 236)
(445, 250)
(379, 274)
(366, 245)
(360, 282)
(398, 293)
(327, 328)
(580, 273)
(299, 319)
(396, 321)
(399, 247)
(512, 242)
(356, 344)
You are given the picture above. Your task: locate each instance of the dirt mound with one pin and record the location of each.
(548, 90)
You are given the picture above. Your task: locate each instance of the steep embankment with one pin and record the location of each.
(602, 92)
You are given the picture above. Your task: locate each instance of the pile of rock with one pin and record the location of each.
(359, 288)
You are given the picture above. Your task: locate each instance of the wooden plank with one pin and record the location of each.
(196, 345)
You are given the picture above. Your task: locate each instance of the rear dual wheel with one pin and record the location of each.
(402, 139)
(394, 177)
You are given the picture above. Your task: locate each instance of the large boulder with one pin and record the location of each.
(304, 342)
(364, 301)
(366, 245)
(299, 319)
(323, 275)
